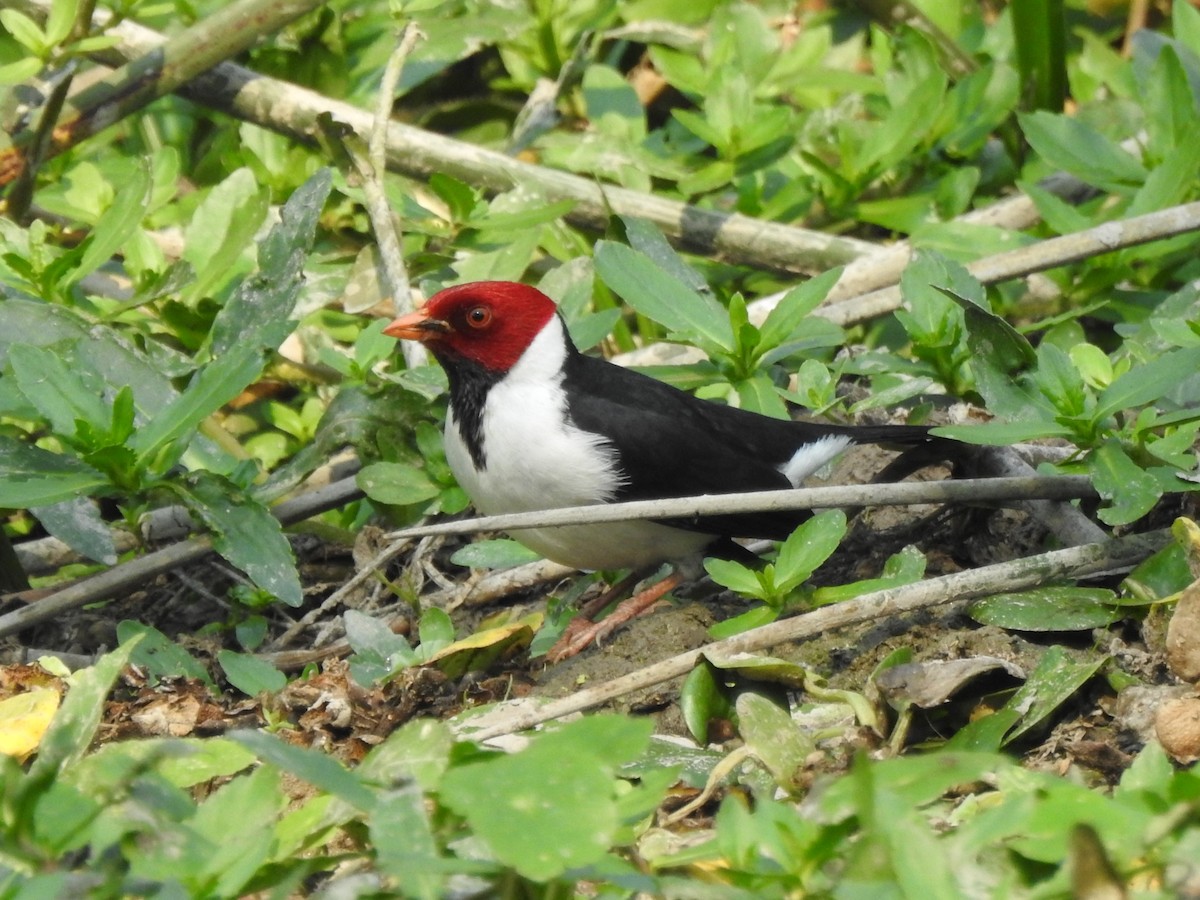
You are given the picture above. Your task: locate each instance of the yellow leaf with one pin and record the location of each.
(24, 719)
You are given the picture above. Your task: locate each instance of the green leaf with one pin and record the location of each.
(660, 296)
(1076, 147)
(701, 700)
(645, 238)
(735, 576)
(419, 749)
(1056, 679)
(25, 31)
(61, 20)
(78, 524)
(1130, 490)
(62, 394)
(33, 477)
(74, 725)
(1147, 382)
(160, 656)
(552, 806)
(318, 769)
(259, 311)
(785, 318)
(1170, 107)
(1040, 40)
(117, 223)
(254, 801)
(758, 394)
(808, 547)
(500, 553)
(1002, 433)
(1060, 381)
(244, 533)
(1053, 608)
(403, 843)
(773, 738)
(251, 675)
(221, 229)
(211, 388)
(400, 484)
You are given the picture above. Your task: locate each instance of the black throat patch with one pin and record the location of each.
(469, 387)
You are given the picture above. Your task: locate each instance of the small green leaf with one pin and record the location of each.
(251, 675)
(1147, 382)
(808, 547)
(1040, 40)
(400, 484)
(1093, 365)
(78, 524)
(160, 656)
(500, 553)
(25, 31)
(318, 769)
(773, 737)
(1060, 381)
(735, 576)
(62, 394)
(1056, 679)
(211, 388)
(794, 307)
(117, 223)
(1074, 146)
(33, 477)
(244, 533)
(1130, 490)
(1054, 608)
(644, 237)
(260, 309)
(660, 296)
(552, 806)
(221, 229)
(701, 700)
(70, 734)
(758, 394)
(1002, 433)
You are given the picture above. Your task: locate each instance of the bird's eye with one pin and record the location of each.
(479, 317)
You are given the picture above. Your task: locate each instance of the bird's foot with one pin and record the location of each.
(582, 631)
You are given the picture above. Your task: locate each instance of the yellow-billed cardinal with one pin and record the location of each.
(535, 424)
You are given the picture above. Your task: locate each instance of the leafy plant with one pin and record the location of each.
(110, 424)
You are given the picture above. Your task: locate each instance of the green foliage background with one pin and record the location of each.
(155, 271)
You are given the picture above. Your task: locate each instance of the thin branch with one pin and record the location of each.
(1016, 575)
(119, 579)
(905, 493)
(1048, 254)
(160, 69)
(294, 111)
(383, 223)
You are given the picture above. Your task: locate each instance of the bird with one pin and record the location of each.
(534, 423)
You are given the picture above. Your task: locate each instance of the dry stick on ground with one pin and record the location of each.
(294, 111)
(1016, 575)
(1047, 254)
(111, 583)
(156, 71)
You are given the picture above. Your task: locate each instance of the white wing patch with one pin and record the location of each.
(810, 457)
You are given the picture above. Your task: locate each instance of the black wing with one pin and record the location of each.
(672, 444)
